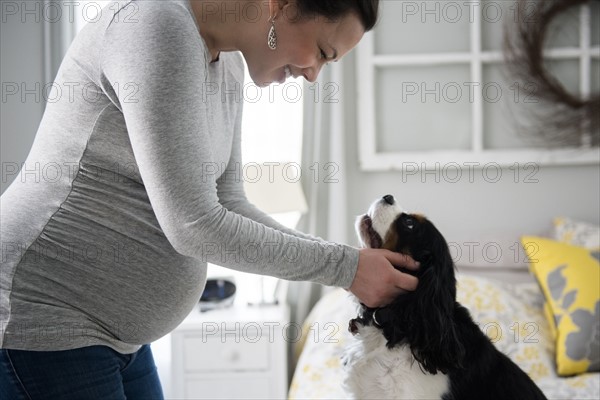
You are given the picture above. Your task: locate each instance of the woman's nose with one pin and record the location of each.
(312, 73)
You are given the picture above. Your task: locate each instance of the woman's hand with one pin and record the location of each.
(377, 282)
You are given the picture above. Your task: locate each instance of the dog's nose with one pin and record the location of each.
(388, 198)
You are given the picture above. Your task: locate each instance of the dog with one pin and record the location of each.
(424, 345)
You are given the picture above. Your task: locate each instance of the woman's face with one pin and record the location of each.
(304, 45)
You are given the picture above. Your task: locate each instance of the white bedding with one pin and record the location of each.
(511, 315)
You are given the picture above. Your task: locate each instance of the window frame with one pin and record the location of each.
(368, 62)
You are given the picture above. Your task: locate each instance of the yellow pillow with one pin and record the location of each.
(570, 280)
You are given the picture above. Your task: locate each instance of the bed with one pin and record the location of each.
(511, 314)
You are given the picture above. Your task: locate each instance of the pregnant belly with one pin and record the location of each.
(142, 309)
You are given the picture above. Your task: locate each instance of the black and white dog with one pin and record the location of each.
(424, 345)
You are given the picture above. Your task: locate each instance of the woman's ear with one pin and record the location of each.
(288, 9)
(275, 7)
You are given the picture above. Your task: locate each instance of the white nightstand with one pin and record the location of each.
(235, 353)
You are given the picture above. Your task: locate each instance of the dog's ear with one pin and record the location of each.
(435, 340)
(433, 336)
(424, 319)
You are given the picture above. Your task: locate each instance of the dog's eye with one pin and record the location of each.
(409, 222)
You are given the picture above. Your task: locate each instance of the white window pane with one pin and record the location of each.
(423, 108)
(511, 114)
(499, 15)
(563, 31)
(422, 27)
(495, 16)
(566, 72)
(504, 105)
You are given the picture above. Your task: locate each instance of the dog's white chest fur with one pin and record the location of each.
(372, 371)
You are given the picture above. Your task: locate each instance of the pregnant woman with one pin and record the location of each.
(111, 254)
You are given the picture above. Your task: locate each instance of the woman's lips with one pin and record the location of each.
(287, 72)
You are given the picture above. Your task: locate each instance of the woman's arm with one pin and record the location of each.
(171, 134)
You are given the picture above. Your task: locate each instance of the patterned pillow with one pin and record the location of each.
(570, 280)
(576, 233)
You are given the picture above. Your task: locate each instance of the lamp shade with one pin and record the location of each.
(275, 187)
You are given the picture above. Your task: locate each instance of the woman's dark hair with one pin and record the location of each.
(366, 10)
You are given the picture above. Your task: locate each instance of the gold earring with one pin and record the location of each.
(272, 36)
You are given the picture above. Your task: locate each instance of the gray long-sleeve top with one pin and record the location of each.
(132, 185)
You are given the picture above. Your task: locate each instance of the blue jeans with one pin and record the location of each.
(95, 372)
